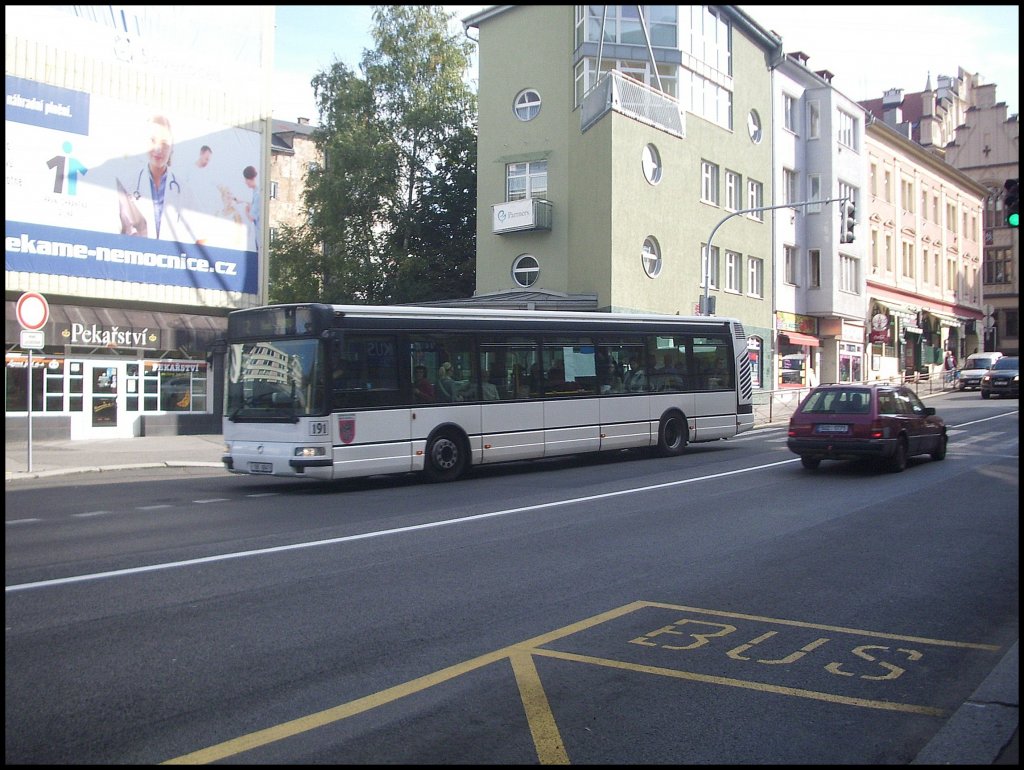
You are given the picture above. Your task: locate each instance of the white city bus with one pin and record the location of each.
(340, 391)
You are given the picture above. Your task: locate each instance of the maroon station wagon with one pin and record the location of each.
(875, 421)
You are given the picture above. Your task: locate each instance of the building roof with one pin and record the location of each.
(521, 299)
(284, 132)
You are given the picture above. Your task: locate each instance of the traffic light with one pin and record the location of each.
(1011, 202)
(847, 221)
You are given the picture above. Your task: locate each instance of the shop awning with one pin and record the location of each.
(168, 331)
(795, 338)
(945, 319)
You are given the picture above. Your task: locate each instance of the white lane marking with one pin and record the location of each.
(380, 533)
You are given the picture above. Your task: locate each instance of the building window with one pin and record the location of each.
(755, 277)
(848, 130)
(709, 182)
(951, 217)
(755, 199)
(908, 260)
(526, 105)
(789, 113)
(709, 269)
(813, 120)
(733, 191)
(924, 265)
(733, 271)
(874, 180)
(273, 188)
(813, 193)
(789, 183)
(650, 257)
(526, 180)
(907, 195)
(650, 161)
(525, 270)
(789, 265)
(998, 266)
(587, 76)
(924, 204)
(621, 24)
(887, 187)
(754, 127)
(849, 274)
(888, 254)
(875, 264)
(814, 268)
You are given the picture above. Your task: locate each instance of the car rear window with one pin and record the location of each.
(835, 401)
(1005, 363)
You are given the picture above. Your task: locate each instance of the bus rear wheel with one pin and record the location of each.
(672, 435)
(446, 457)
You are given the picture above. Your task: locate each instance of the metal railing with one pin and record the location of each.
(639, 101)
(773, 406)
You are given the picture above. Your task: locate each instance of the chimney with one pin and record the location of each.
(303, 121)
(798, 56)
(825, 75)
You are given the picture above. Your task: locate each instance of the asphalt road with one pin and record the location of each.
(722, 607)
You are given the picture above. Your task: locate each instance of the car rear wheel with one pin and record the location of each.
(898, 463)
(940, 452)
(810, 463)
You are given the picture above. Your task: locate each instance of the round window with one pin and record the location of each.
(526, 105)
(651, 162)
(651, 256)
(754, 126)
(525, 270)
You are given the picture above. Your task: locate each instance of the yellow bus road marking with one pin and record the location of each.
(543, 728)
(546, 738)
(821, 627)
(728, 681)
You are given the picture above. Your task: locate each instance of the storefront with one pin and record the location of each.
(114, 373)
(797, 345)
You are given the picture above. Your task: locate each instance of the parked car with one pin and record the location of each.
(1003, 379)
(885, 422)
(975, 367)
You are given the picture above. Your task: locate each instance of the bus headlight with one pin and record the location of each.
(310, 451)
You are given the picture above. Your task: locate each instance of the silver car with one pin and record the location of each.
(974, 369)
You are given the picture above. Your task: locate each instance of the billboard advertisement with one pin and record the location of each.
(100, 188)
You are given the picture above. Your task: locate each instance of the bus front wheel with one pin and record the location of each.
(672, 434)
(446, 457)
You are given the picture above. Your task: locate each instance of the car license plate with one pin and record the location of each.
(261, 467)
(826, 428)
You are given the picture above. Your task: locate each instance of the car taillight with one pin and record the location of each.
(799, 429)
(878, 430)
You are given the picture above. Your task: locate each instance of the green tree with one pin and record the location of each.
(396, 150)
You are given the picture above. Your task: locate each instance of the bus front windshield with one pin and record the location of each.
(281, 379)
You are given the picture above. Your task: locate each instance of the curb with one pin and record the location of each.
(985, 724)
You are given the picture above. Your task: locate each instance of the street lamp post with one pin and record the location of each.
(703, 305)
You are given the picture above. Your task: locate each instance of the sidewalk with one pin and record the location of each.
(53, 458)
(982, 731)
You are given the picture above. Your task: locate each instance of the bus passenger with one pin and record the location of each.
(424, 388)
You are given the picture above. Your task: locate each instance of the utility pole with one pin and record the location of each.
(846, 228)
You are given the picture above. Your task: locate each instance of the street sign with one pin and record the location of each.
(32, 340)
(33, 311)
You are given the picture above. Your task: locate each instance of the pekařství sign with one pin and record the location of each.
(110, 336)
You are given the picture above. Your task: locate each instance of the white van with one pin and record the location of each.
(975, 367)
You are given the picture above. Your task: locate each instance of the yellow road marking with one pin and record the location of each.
(547, 739)
(724, 680)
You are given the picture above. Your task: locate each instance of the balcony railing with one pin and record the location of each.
(627, 96)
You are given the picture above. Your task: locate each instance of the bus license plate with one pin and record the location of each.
(261, 467)
(831, 428)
